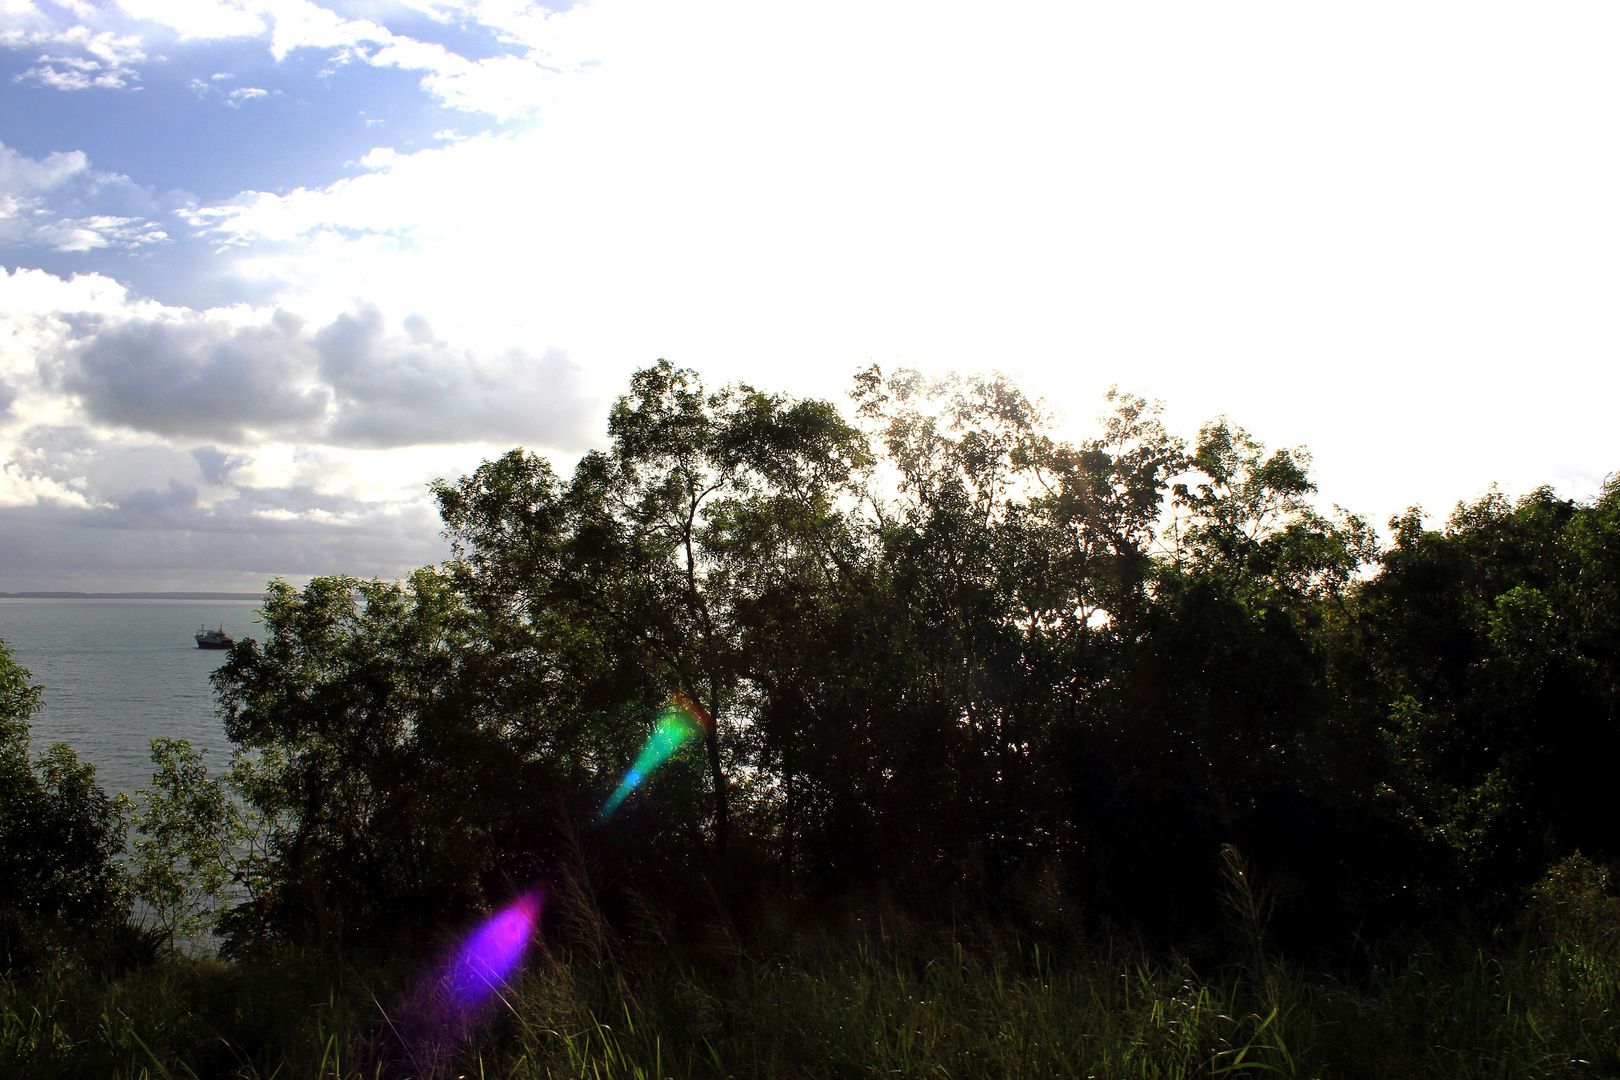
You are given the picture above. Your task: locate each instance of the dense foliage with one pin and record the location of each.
(60, 836)
(956, 663)
(952, 656)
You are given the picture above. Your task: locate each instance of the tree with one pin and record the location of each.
(1249, 523)
(196, 850)
(646, 553)
(60, 835)
(988, 657)
(976, 657)
(389, 790)
(1489, 648)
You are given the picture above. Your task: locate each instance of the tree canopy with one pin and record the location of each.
(947, 653)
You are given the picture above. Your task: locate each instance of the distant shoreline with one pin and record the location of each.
(131, 596)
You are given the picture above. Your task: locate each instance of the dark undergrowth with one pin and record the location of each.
(879, 997)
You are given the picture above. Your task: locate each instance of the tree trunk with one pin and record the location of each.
(711, 742)
(722, 820)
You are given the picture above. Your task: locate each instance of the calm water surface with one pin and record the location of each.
(119, 673)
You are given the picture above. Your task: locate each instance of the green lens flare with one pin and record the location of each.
(680, 721)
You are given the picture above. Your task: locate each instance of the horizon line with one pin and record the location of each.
(63, 595)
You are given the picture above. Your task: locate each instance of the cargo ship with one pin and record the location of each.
(213, 639)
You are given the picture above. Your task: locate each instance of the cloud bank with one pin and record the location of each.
(243, 439)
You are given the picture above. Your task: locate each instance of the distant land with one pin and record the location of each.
(131, 596)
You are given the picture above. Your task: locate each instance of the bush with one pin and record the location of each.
(61, 887)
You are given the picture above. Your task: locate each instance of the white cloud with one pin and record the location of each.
(76, 234)
(302, 24)
(199, 19)
(101, 47)
(59, 202)
(106, 61)
(210, 90)
(1341, 235)
(23, 176)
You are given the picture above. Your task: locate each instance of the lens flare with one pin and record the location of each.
(490, 955)
(681, 720)
(434, 1019)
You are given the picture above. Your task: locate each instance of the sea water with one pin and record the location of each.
(119, 673)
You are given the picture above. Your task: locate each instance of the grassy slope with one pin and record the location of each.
(881, 1004)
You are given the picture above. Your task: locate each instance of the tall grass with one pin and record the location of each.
(881, 997)
(878, 1009)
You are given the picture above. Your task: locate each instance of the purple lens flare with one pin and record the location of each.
(487, 959)
(442, 1010)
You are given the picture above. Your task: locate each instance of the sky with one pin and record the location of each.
(272, 266)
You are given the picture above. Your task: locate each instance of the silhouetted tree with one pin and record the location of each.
(60, 837)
